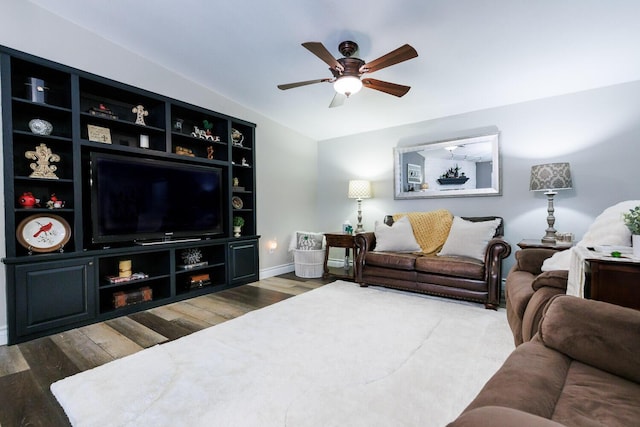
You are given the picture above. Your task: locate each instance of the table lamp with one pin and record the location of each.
(549, 178)
(359, 189)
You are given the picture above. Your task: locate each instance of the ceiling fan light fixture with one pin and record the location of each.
(347, 85)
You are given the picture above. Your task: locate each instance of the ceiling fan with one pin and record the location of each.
(347, 71)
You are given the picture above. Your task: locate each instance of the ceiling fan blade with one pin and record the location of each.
(338, 100)
(386, 87)
(403, 53)
(298, 84)
(321, 52)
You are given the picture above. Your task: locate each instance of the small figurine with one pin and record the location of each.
(42, 168)
(27, 200)
(244, 162)
(236, 182)
(210, 152)
(54, 203)
(141, 114)
(177, 125)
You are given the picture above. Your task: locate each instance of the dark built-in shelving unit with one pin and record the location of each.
(49, 292)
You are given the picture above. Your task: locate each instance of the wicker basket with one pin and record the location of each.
(309, 263)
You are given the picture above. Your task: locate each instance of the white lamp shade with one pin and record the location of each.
(347, 85)
(359, 189)
(550, 176)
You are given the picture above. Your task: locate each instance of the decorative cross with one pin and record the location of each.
(141, 114)
(42, 168)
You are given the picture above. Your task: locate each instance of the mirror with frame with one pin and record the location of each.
(454, 168)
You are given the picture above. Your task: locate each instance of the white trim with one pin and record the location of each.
(290, 267)
(276, 271)
(4, 337)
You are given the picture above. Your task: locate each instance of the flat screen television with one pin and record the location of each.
(137, 200)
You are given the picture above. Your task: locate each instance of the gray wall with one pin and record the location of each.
(597, 131)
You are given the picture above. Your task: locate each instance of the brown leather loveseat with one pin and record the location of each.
(581, 369)
(459, 277)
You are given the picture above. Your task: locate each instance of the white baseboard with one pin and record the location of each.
(277, 270)
(4, 335)
(288, 268)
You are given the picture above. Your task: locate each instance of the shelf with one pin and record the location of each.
(452, 181)
(106, 284)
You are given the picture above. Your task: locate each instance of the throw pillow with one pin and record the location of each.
(468, 238)
(397, 238)
(309, 241)
(429, 228)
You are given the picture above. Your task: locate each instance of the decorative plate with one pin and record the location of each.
(236, 202)
(40, 127)
(43, 232)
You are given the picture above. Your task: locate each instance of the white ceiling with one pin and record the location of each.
(473, 54)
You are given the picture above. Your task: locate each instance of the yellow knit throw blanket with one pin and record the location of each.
(430, 228)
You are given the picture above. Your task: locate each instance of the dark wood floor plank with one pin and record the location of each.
(222, 306)
(169, 329)
(47, 361)
(11, 360)
(189, 324)
(110, 340)
(136, 332)
(25, 403)
(91, 354)
(196, 314)
(254, 296)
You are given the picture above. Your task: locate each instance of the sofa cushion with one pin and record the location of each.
(594, 398)
(469, 238)
(396, 261)
(430, 228)
(590, 340)
(396, 238)
(451, 266)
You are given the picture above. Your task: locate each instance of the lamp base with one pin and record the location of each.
(550, 236)
(549, 239)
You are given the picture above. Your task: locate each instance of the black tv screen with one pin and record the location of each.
(135, 199)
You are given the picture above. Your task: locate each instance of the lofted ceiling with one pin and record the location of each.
(473, 54)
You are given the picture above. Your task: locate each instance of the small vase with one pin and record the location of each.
(236, 230)
(635, 242)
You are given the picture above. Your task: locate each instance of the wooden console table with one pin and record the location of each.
(340, 240)
(615, 282)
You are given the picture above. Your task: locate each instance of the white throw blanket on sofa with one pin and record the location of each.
(607, 229)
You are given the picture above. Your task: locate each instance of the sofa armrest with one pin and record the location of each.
(603, 335)
(364, 242)
(553, 279)
(499, 416)
(497, 250)
(531, 259)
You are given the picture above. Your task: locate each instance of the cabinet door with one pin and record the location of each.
(53, 294)
(243, 262)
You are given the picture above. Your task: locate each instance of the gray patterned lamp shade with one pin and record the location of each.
(550, 176)
(359, 189)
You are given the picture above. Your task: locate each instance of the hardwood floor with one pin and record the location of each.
(28, 369)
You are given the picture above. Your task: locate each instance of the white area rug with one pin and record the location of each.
(339, 355)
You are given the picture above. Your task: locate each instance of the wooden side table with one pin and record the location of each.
(537, 243)
(340, 240)
(615, 281)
